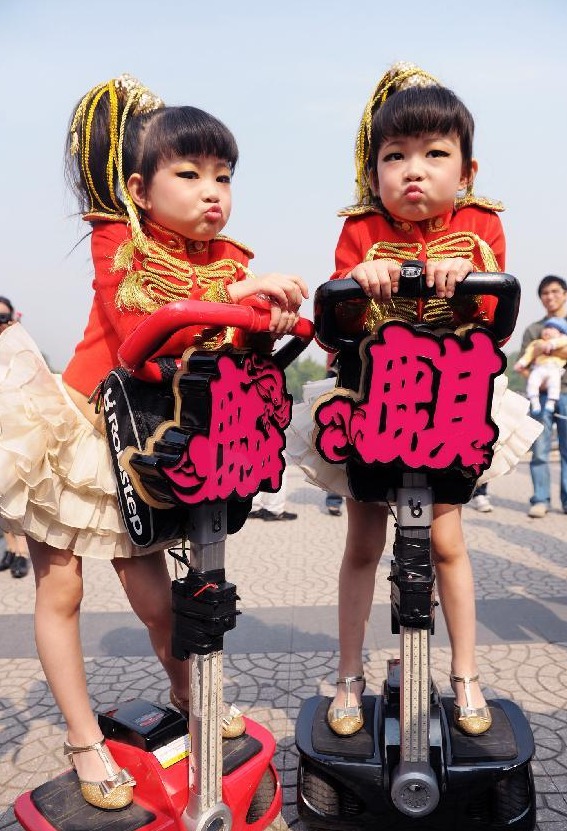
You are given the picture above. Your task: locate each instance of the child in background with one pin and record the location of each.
(415, 172)
(155, 183)
(545, 368)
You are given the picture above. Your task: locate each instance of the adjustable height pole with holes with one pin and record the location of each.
(414, 790)
(204, 607)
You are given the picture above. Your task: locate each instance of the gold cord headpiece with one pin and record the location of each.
(126, 97)
(400, 76)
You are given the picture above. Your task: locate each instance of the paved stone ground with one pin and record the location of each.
(284, 648)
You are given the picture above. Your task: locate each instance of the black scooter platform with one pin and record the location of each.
(485, 781)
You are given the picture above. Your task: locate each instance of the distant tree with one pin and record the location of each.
(299, 372)
(516, 382)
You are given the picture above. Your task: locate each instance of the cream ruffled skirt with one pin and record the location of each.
(56, 480)
(517, 433)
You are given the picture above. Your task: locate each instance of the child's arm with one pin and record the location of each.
(445, 274)
(378, 278)
(285, 291)
(526, 358)
(555, 346)
(106, 239)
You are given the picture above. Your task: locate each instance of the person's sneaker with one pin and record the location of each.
(333, 503)
(19, 567)
(259, 513)
(7, 560)
(538, 510)
(271, 517)
(481, 503)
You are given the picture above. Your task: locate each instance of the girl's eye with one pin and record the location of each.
(225, 179)
(188, 174)
(437, 154)
(392, 157)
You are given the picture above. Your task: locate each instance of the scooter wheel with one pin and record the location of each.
(512, 797)
(262, 799)
(318, 792)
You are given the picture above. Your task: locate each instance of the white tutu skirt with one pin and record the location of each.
(517, 432)
(56, 480)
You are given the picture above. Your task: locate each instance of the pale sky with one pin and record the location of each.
(291, 80)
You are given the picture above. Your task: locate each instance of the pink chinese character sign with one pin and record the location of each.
(424, 403)
(234, 448)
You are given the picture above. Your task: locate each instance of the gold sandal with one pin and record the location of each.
(347, 720)
(111, 793)
(473, 721)
(233, 724)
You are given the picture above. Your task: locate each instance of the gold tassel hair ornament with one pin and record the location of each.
(400, 76)
(126, 97)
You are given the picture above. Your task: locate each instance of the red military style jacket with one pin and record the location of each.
(471, 230)
(129, 285)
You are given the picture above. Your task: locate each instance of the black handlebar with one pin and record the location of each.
(504, 287)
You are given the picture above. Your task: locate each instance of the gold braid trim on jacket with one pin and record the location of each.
(164, 278)
(437, 311)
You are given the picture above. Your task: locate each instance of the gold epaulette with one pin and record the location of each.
(101, 216)
(472, 200)
(359, 210)
(223, 238)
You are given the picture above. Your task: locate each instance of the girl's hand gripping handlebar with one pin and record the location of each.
(159, 326)
(412, 284)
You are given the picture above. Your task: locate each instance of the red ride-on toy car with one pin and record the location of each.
(213, 437)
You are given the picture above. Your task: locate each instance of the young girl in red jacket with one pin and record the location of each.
(415, 172)
(155, 184)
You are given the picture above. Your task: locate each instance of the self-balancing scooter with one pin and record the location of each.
(223, 443)
(417, 405)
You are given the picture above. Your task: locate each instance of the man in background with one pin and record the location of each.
(552, 292)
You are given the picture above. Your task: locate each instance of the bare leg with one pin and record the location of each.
(365, 541)
(456, 592)
(59, 591)
(147, 584)
(20, 545)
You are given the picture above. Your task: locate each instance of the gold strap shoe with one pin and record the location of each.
(347, 720)
(472, 721)
(233, 724)
(111, 793)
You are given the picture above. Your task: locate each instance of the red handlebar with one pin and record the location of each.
(159, 326)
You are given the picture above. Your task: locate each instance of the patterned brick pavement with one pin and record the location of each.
(284, 648)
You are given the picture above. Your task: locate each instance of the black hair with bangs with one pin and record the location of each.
(149, 140)
(177, 132)
(419, 110)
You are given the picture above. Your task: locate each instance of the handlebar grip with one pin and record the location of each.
(154, 331)
(504, 287)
